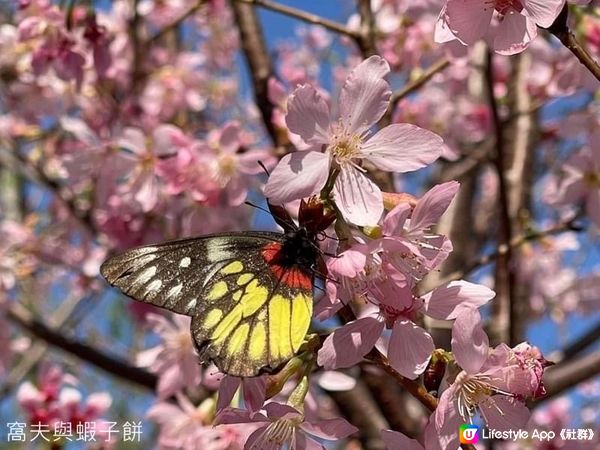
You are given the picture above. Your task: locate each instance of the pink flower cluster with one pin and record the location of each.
(55, 400)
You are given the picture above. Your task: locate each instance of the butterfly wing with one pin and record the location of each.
(246, 317)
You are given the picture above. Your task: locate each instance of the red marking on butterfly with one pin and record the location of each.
(293, 277)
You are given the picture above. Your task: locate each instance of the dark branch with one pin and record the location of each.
(109, 363)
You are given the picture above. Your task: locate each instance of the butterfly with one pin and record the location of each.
(250, 294)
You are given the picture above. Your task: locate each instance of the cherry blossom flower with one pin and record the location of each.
(285, 425)
(409, 347)
(581, 181)
(175, 360)
(516, 27)
(345, 138)
(384, 272)
(232, 163)
(142, 183)
(184, 426)
(55, 400)
(493, 381)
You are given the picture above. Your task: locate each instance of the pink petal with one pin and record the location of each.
(543, 12)
(256, 434)
(347, 345)
(169, 381)
(167, 138)
(133, 140)
(402, 147)
(98, 403)
(442, 431)
(334, 381)
(227, 389)
(470, 344)
(280, 411)
(146, 191)
(276, 92)
(393, 224)
(357, 197)
(442, 32)
(447, 301)
(514, 34)
(308, 115)
(432, 205)
(229, 140)
(469, 20)
(410, 348)
(350, 262)
(163, 413)
(298, 175)
(397, 441)
(236, 415)
(513, 416)
(329, 428)
(254, 392)
(365, 95)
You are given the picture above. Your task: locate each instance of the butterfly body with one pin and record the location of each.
(249, 294)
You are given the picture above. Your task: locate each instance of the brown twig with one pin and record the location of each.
(503, 274)
(366, 37)
(304, 16)
(19, 163)
(564, 376)
(410, 87)
(411, 386)
(261, 69)
(574, 349)
(516, 242)
(109, 363)
(560, 29)
(173, 25)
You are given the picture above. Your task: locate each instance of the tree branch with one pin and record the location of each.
(173, 25)
(560, 29)
(412, 86)
(18, 163)
(516, 242)
(574, 349)
(503, 274)
(304, 16)
(366, 37)
(261, 69)
(564, 376)
(109, 363)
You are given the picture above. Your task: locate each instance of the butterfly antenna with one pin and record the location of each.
(261, 164)
(290, 224)
(258, 207)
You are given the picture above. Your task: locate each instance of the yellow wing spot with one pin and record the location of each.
(279, 327)
(237, 342)
(258, 341)
(262, 315)
(244, 278)
(234, 267)
(218, 290)
(237, 295)
(212, 318)
(227, 325)
(301, 314)
(255, 297)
